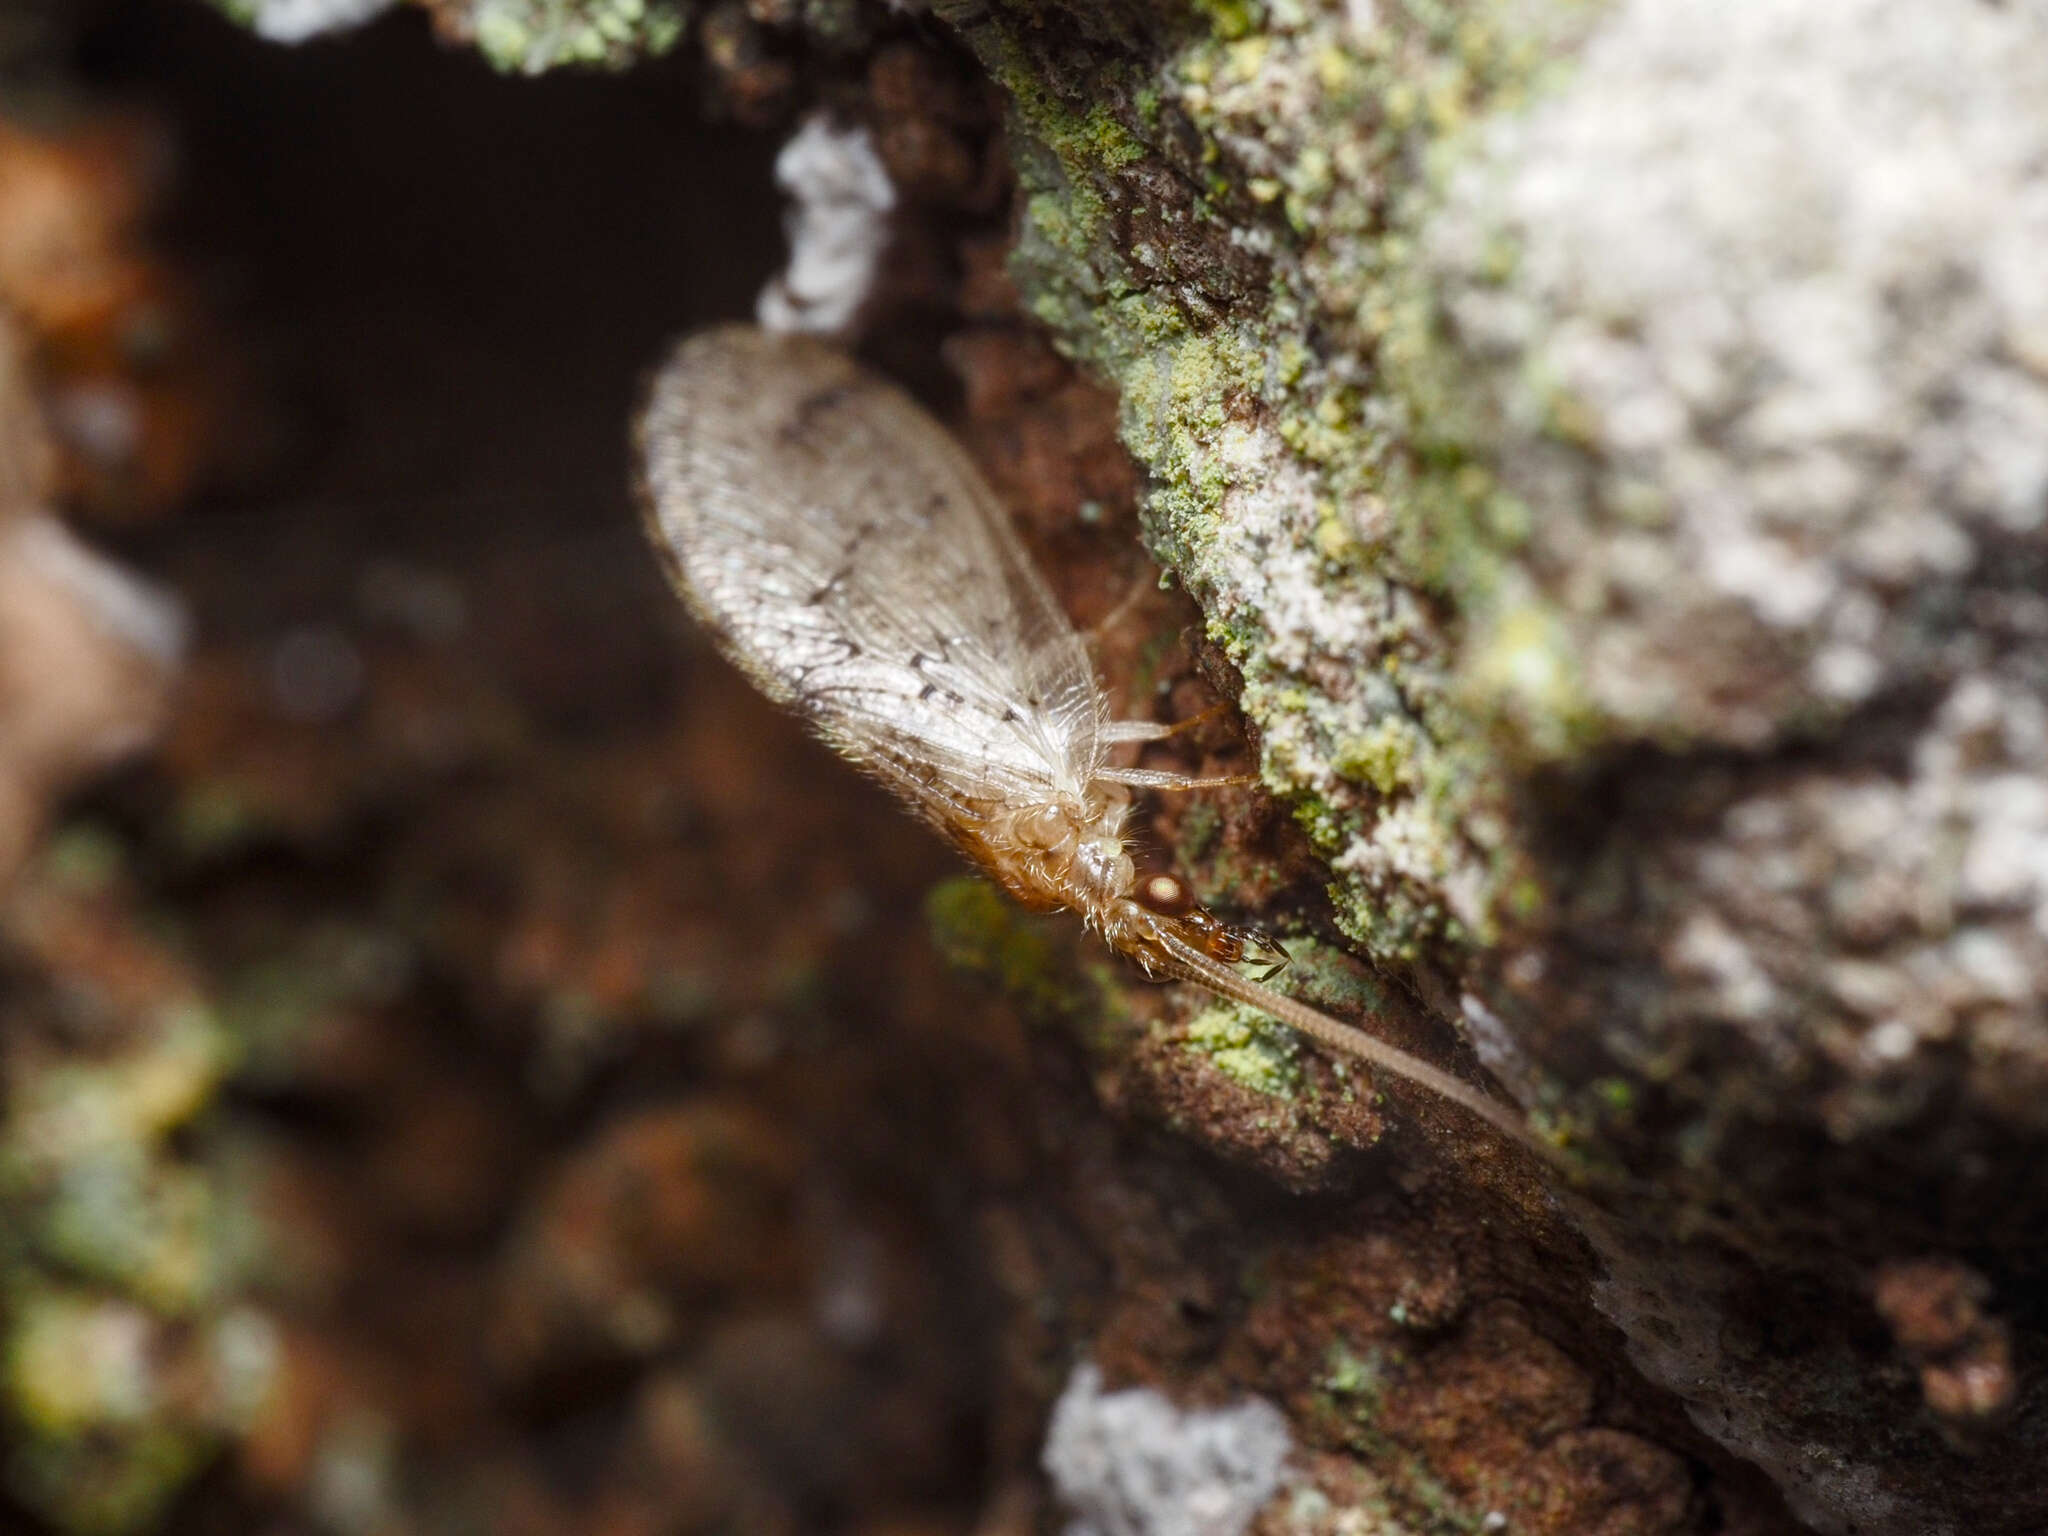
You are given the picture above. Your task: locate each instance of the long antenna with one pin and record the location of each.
(1352, 1041)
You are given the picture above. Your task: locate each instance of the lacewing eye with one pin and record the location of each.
(1168, 895)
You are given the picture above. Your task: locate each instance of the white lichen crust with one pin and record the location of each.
(299, 21)
(1756, 301)
(1131, 1463)
(1771, 348)
(838, 228)
(1753, 310)
(1611, 442)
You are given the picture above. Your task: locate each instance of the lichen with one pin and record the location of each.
(531, 36)
(1247, 1048)
(838, 227)
(296, 21)
(1132, 1463)
(1235, 278)
(1540, 418)
(526, 37)
(128, 1357)
(1254, 1050)
(1356, 1382)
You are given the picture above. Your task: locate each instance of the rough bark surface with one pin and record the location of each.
(1602, 450)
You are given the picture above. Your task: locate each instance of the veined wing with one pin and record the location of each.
(848, 556)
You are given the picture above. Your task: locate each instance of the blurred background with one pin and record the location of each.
(478, 1068)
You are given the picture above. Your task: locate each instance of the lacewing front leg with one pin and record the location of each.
(1120, 732)
(1162, 778)
(1269, 950)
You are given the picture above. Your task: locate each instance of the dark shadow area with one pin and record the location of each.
(453, 279)
(582, 1183)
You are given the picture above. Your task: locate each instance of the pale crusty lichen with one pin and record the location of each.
(1210, 221)
(1537, 394)
(526, 37)
(1746, 317)
(1782, 367)
(530, 36)
(297, 21)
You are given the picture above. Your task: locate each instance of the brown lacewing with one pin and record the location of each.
(847, 556)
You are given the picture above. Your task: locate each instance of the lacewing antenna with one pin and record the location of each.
(849, 557)
(1349, 1040)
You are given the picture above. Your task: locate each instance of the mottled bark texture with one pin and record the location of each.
(1610, 444)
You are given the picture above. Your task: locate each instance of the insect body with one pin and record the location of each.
(846, 555)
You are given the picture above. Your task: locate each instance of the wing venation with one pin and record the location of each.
(848, 556)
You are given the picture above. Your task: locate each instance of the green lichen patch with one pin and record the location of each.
(976, 928)
(116, 1414)
(126, 1356)
(1355, 1382)
(531, 36)
(72, 1112)
(1328, 977)
(1248, 1048)
(1384, 756)
(1219, 217)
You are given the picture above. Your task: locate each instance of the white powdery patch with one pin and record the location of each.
(1266, 528)
(1317, 680)
(1778, 263)
(1132, 1464)
(1407, 843)
(838, 228)
(1981, 778)
(295, 21)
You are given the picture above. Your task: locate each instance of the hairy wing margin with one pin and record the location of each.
(846, 554)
